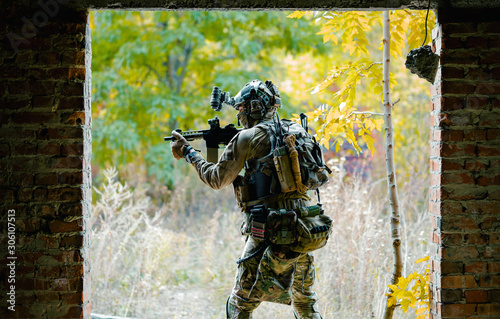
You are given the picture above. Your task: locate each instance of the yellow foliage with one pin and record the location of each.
(412, 291)
(350, 29)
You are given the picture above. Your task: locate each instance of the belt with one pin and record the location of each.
(274, 202)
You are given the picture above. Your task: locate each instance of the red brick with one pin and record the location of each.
(72, 297)
(476, 296)
(34, 73)
(42, 102)
(457, 178)
(477, 102)
(73, 149)
(40, 194)
(68, 162)
(32, 117)
(28, 225)
(75, 118)
(488, 88)
(489, 58)
(74, 58)
(451, 238)
(458, 310)
(17, 103)
(59, 226)
(70, 178)
(451, 43)
(458, 150)
(74, 312)
(27, 57)
(49, 58)
(459, 253)
(67, 73)
(61, 133)
(50, 242)
(72, 241)
(493, 134)
(450, 72)
(478, 74)
(489, 281)
(50, 149)
(69, 256)
(72, 88)
(456, 28)
(25, 149)
(483, 150)
(46, 179)
(476, 239)
(494, 239)
(71, 103)
(476, 43)
(49, 271)
(494, 267)
(495, 73)
(475, 135)
(452, 103)
(461, 57)
(71, 209)
(72, 271)
(452, 164)
(47, 296)
(492, 252)
(489, 27)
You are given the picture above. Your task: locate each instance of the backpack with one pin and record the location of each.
(288, 137)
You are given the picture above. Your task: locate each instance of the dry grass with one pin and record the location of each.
(178, 260)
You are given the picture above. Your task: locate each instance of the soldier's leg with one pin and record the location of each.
(238, 305)
(304, 299)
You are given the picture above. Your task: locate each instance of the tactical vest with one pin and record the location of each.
(270, 176)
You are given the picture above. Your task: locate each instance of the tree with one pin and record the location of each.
(345, 121)
(154, 72)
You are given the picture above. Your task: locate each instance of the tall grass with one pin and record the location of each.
(177, 260)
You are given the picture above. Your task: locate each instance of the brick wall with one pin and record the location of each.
(465, 170)
(45, 161)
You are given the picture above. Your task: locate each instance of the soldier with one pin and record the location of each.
(266, 272)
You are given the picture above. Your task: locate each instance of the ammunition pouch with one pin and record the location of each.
(302, 230)
(282, 227)
(283, 168)
(312, 233)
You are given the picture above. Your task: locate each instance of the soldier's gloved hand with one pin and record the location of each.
(178, 146)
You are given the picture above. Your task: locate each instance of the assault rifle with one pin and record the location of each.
(214, 137)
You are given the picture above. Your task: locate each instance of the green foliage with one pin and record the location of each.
(154, 72)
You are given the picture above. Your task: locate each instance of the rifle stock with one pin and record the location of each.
(213, 137)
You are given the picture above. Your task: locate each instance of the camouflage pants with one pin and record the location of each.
(267, 277)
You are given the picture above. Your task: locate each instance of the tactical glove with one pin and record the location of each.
(178, 146)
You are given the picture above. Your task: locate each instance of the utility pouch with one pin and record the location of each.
(283, 167)
(241, 190)
(282, 226)
(258, 228)
(309, 211)
(312, 233)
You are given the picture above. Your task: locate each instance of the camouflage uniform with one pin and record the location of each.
(274, 274)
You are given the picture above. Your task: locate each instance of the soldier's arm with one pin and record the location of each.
(230, 163)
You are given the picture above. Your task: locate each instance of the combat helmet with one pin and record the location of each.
(260, 101)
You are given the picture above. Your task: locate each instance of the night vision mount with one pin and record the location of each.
(218, 97)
